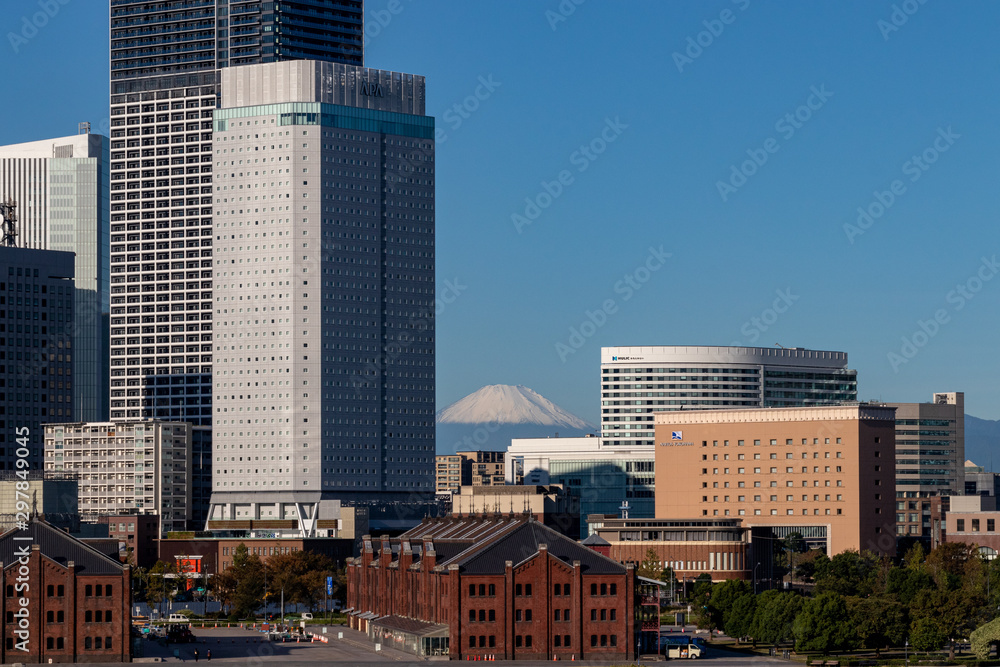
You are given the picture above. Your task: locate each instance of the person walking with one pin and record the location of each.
(208, 655)
(196, 655)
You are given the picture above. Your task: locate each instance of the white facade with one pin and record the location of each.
(324, 267)
(127, 467)
(60, 187)
(637, 382)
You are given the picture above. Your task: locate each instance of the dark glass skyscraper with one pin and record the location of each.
(165, 62)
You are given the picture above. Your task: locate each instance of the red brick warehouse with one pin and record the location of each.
(499, 585)
(77, 599)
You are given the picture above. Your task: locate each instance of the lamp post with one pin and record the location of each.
(755, 577)
(906, 651)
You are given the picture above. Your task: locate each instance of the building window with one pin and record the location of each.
(604, 640)
(614, 614)
(557, 589)
(527, 616)
(472, 590)
(614, 640)
(472, 616)
(88, 616)
(482, 615)
(50, 590)
(518, 590)
(517, 615)
(557, 641)
(493, 641)
(60, 644)
(60, 590)
(472, 641)
(991, 525)
(50, 616)
(49, 642)
(493, 614)
(61, 616)
(88, 591)
(593, 640)
(518, 641)
(558, 614)
(527, 641)
(482, 590)
(959, 525)
(88, 643)
(593, 614)
(975, 525)
(614, 589)
(493, 590)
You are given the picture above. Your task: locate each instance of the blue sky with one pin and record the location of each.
(651, 135)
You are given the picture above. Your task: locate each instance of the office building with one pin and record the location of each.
(605, 479)
(126, 467)
(478, 468)
(930, 458)
(498, 586)
(166, 60)
(324, 292)
(36, 348)
(638, 382)
(826, 472)
(61, 189)
(78, 599)
(136, 535)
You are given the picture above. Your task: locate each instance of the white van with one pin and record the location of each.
(177, 618)
(306, 616)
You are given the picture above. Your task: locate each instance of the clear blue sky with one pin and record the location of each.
(676, 128)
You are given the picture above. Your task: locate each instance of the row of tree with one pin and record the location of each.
(249, 583)
(862, 601)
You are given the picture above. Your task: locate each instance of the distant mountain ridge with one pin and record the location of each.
(490, 417)
(982, 442)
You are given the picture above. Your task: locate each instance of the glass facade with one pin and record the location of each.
(602, 485)
(36, 349)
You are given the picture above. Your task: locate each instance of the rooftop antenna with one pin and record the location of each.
(781, 346)
(9, 215)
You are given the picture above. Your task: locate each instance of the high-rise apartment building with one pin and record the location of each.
(930, 458)
(61, 189)
(36, 348)
(165, 63)
(324, 292)
(825, 472)
(140, 467)
(637, 382)
(476, 468)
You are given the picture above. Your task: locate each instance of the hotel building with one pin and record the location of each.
(638, 382)
(825, 472)
(324, 293)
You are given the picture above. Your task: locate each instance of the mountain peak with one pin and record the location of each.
(509, 404)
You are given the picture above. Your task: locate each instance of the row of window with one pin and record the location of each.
(105, 590)
(524, 590)
(960, 525)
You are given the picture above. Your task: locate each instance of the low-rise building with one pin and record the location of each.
(474, 468)
(137, 533)
(973, 520)
(126, 467)
(77, 601)
(500, 585)
(549, 505)
(690, 547)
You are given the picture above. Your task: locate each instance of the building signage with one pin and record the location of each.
(371, 89)
(674, 443)
(626, 358)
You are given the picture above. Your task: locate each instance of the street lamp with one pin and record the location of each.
(906, 651)
(755, 577)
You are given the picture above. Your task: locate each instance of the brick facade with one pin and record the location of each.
(518, 591)
(77, 610)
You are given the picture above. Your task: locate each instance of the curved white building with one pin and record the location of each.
(637, 382)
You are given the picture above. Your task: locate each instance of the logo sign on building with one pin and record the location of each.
(371, 89)
(677, 435)
(329, 585)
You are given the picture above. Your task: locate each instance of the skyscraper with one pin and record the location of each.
(324, 293)
(60, 186)
(36, 349)
(165, 63)
(637, 382)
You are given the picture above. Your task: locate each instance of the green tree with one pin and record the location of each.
(701, 596)
(984, 638)
(160, 584)
(774, 615)
(723, 601)
(848, 573)
(739, 622)
(952, 613)
(822, 624)
(925, 635)
(650, 566)
(223, 587)
(248, 572)
(878, 622)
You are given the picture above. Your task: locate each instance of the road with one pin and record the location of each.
(230, 646)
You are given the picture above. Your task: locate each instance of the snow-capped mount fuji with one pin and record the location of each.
(489, 418)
